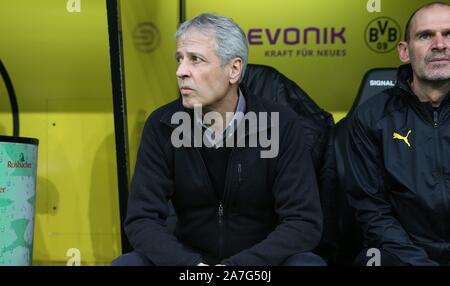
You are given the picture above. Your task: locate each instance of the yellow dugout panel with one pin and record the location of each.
(148, 28)
(57, 56)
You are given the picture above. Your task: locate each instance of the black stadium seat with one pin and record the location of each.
(374, 81)
(350, 236)
(269, 83)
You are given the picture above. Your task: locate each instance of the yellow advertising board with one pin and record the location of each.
(324, 46)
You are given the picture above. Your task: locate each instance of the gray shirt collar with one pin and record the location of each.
(216, 140)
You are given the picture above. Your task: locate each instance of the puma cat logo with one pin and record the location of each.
(401, 137)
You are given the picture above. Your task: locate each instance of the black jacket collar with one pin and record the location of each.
(404, 77)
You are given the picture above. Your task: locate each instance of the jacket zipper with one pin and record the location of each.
(220, 229)
(222, 203)
(435, 118)
(438, 154)
(239, 172)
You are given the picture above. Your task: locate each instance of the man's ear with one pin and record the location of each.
(403, 51)
(236, 66)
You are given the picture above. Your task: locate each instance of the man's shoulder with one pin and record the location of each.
(286, 113)
(158, 122)
(289, 121)
(380, 106)
(164, 112)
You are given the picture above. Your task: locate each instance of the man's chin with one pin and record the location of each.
(439, 77)
(438, 73)
(189, 104)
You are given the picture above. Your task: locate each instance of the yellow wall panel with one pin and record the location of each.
(149, 59)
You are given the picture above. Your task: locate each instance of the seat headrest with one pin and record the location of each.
(269, 83)
(374, 81)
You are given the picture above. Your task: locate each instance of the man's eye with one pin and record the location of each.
(424, 36)
(178, 59)
(196, 59)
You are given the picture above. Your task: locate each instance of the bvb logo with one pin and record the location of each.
(146, 37)
(382, 34)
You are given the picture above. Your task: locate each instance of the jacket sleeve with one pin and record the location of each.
(367, 194)
(151, 188)
(297, 204)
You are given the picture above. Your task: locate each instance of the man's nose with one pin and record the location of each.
(440, 42)
(183, 70)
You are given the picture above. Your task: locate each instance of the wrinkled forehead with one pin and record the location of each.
(435, 18)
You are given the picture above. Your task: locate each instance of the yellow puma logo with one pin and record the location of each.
(404, 138)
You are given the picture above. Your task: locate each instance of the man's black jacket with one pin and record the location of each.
(399, 180)
(271, 207)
